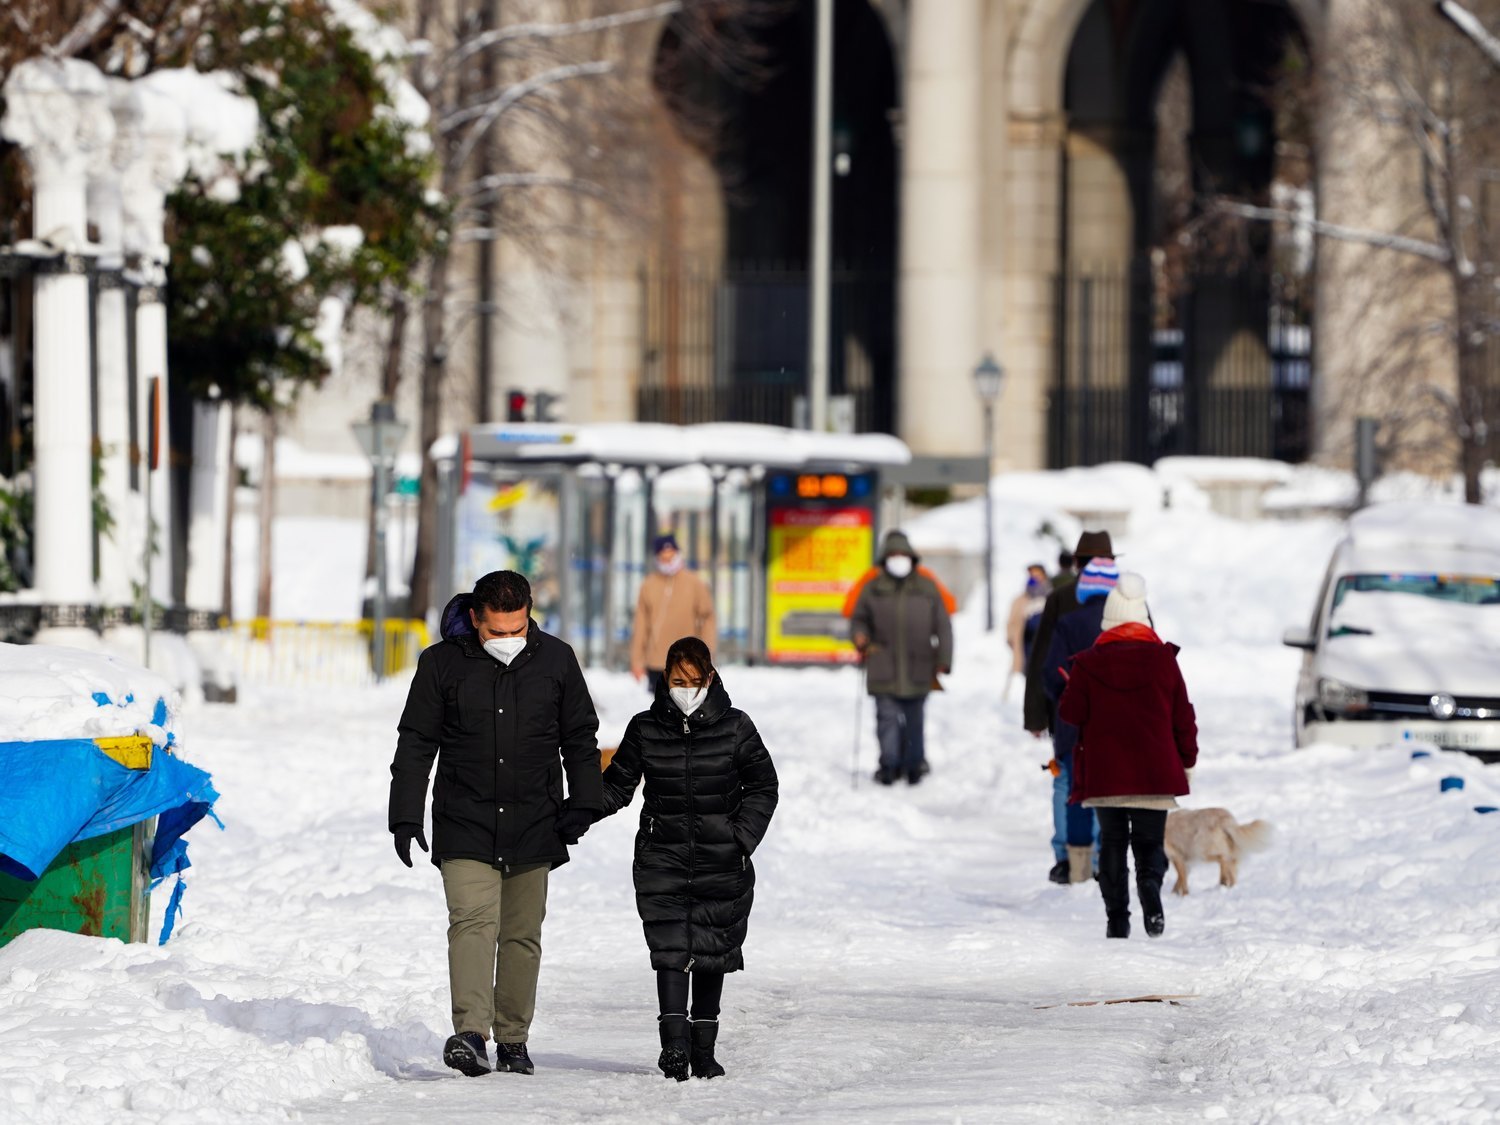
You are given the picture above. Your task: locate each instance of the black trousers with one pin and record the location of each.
(672, 993)
(1141, 831)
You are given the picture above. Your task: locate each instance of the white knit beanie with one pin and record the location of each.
(1126, 602)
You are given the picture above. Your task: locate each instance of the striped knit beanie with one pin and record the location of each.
(1097, 579)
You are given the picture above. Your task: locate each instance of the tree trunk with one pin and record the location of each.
(1470, 302)
(267, 514)
(226, 600)
(434, 359)
(390, 384)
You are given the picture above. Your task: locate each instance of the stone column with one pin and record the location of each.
(940, 230)
(120, 550)
(162, 165)
(208, 507)
(57, 111)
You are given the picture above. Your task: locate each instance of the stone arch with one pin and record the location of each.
(1040, 48)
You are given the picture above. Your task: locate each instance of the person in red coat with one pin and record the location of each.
(1138, 737)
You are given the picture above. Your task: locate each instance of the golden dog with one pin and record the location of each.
(1202, 835)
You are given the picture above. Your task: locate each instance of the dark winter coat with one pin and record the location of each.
(1037, 708)
(1072, 635)
(503, 735)
(910, 634)
(709, 795)
(1137, 731)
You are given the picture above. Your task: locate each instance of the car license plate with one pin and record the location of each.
(1456, 738)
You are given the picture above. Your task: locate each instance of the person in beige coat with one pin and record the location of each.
(1025, 615)
(673, 602)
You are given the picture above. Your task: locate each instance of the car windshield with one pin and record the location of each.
(1368, 603)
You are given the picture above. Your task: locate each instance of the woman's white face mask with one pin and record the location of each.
(688, 699)
(898, 566)
(505, 649)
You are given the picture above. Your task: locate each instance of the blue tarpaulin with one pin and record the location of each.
(60, 790)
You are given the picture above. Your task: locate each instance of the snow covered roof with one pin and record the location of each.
(655, 443)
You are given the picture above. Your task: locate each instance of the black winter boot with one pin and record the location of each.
(1118, 926)
(513, 1057)
(1059, 873)
(705, 1032)
(673, 1060)
(465, 1052)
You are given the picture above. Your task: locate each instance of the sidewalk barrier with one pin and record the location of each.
(319, 653)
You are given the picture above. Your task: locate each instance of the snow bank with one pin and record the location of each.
(50, 691)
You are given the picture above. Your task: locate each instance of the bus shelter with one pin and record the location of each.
(779, 522)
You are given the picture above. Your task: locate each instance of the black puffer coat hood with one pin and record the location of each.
(710, 791)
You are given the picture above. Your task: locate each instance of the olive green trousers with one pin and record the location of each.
(494, 945)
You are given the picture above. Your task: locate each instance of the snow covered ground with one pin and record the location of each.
(905, 952)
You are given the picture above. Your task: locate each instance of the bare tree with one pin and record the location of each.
(533, 123)
(1408, 76)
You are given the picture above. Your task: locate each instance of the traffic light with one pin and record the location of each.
(545, 405)
(515, 405)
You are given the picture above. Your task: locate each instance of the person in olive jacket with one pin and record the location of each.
(709, 794)
(904, 636)
(503, 709)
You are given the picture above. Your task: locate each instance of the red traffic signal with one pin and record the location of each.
(515, 406)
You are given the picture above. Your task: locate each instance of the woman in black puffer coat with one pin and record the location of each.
(710, 793)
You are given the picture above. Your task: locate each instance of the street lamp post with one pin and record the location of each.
(380, 438)
(989, 378)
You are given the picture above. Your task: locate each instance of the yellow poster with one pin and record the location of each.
(815, 557)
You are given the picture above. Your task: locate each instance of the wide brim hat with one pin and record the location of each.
(1094, 545)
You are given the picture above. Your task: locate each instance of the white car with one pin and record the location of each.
(1404, 644)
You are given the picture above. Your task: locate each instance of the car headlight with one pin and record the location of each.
(1334, 695)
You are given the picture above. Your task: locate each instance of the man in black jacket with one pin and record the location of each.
(503, 708)
(1039, 707)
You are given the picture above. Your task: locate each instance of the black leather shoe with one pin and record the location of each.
(885, 776)
(465, 1052)
(513, 1057)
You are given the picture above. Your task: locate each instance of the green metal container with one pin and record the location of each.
(98, 887)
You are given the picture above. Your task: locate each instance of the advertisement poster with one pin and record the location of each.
(816, 555)
(512, 523)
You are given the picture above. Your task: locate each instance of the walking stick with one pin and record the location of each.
(859, 722)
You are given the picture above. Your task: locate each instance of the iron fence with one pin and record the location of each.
(731, 346)
(1224, 370)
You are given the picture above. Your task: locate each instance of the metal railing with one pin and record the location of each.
(320, 653)
(731, 345)
(1225, 371)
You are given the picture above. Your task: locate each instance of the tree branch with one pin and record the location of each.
(559, 30)
(95, 20)
(490, 186)
(487, 114)
(1469, 24)
(1380, 240)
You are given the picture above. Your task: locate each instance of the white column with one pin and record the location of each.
(940, 229)
(57, 111)
(208, 506)
(162, 165)
(119, 551)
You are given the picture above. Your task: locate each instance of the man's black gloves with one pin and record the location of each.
(573, 823)
(405, 834)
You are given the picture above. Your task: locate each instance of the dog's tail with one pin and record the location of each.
(1252, 837)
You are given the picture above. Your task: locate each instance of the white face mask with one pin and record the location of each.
(688, 699)
(670, 568)
(505, 649)
(898, 566)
